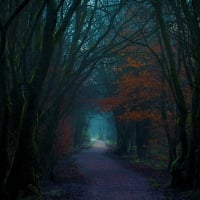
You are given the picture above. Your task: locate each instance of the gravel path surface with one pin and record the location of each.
(109, 179)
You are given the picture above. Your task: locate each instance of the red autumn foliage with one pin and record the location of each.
(132, 91)
(65, 136)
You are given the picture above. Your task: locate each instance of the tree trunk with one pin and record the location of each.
(23, 175)
(193, 155)
(141, 136)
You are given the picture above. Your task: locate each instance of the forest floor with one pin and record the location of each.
(98, 174)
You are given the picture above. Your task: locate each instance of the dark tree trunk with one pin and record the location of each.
(141, 136)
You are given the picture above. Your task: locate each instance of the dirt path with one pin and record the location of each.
(108, 179)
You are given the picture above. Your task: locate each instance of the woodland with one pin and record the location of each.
(64, 61)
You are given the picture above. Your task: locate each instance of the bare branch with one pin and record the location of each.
(16, 12)
(67, 18)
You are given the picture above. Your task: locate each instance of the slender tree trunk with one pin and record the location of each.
(4, 111)
(193, 155)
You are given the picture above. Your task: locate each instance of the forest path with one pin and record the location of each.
(110, 179)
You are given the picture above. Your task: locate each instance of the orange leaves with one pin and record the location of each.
(140, 115)
(109, 103)
(144, 87)
(134, 63)
(138, 89)
(131, 92)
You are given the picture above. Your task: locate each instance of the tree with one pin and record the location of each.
(188, 159)
(19, 107)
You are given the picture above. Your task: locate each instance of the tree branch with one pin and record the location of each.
(67, 18)
(15, 13)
